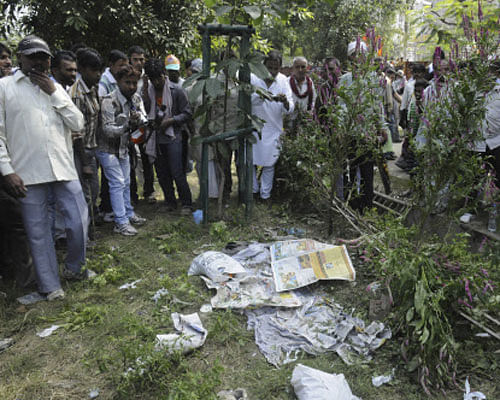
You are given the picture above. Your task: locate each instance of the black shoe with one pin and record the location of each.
(402, 163)
(390, 156)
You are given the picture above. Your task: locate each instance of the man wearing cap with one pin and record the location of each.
(36, 159)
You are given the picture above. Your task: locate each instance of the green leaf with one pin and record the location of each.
(425, 336)
(260, 70)
(196, 91)
(223, 10)
(214, 87)
(253, 11)
(410, 314)
(210, 3)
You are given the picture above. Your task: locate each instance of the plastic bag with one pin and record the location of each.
(217, 266)
(313, 384)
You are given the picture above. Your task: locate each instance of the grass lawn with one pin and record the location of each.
(107, 332)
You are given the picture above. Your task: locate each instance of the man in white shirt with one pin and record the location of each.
(37, 117)
(267, 149)
(303, 91)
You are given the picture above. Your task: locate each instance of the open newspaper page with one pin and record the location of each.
(299, 264)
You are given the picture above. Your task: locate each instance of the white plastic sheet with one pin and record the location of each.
(313, 384)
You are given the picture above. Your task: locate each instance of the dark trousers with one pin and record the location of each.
(15, 256)
(148, 172)
(90, 183)
(364, 199)
(105, 206)
(170, 168)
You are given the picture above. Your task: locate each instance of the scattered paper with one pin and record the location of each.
(191, 334)
(206, 308)
(378, 381)
(309, 383)
(131, 285)
(159, 294)
(298, 263)
(48, 331)
(5, 343)
(31, 298)
(216, 266)
(468, 395)
(238, 394)
(94, 393)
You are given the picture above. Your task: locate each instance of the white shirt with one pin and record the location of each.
(302, 103)
(491, 126)
(267, 149)
(35, 131)
(407, 94)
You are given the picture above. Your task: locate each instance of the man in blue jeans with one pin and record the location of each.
(169, 107)
(122, 112)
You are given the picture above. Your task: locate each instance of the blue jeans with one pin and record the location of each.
(170, 168)
(35, 209)
(117, 171)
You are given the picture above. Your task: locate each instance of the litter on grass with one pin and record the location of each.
(378, 381)
(159, 294)
(304, 322)
(191, 334)
(94, 393)
(6, 343)
(131, 285)
(31, 298)
(309, 383)
(206, 308)
(238, 394)
(468, 395)
(318, 326)
(48, 331)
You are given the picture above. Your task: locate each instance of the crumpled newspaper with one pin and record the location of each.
(380, 380)
(191, 334)
(317, 327)
(243, 280)
(468, 395)
(131, 285)
(48, 331)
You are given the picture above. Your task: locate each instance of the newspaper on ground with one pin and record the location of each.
(31, 298)
(468, 395)
(238, 394)
(5, 343)
(318, 326)
(159, 294)
(309, 383)
(298, 263)
(191, 334)
(243, 280)
(131, 285)
(380, 380)
(48, 331)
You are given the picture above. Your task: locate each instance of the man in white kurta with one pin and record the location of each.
(36, 160)
(267, 149)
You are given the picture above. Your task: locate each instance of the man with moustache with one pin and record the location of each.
(37, 117)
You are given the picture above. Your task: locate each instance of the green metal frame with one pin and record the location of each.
(245, 153)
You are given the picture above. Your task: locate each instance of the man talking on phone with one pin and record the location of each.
(37, 117)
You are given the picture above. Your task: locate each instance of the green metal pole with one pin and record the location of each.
(204, 182)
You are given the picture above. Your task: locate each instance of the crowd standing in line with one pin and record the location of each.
(63, 116)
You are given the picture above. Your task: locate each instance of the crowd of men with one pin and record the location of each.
(73, 131)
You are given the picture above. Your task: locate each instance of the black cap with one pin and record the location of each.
(33, 44)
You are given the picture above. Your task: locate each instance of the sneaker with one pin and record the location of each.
(125, 230)
(55, 295)
(186, 210)
(136, 220)
(151, 199)
(108, 217)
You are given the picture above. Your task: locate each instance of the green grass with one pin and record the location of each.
(107, 332)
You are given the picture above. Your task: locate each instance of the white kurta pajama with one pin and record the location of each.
(267, 149)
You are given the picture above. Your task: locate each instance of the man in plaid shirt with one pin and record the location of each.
(84, 94)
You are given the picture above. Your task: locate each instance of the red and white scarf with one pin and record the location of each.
(308, 92)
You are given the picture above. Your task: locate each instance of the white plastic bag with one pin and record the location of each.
(313, 384)
(216, 266)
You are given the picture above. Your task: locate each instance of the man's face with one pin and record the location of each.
(128, 86)
(5, 63)
(115, 67)
(173, 75)
(273, 66)
(158, 82)
(65, 74)
(299, 70)
(90, 76)
(419, 91)
(137, 61)
(37, 61)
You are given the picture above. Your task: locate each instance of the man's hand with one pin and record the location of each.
(43, 81)
(15, 185)
(282, 99)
